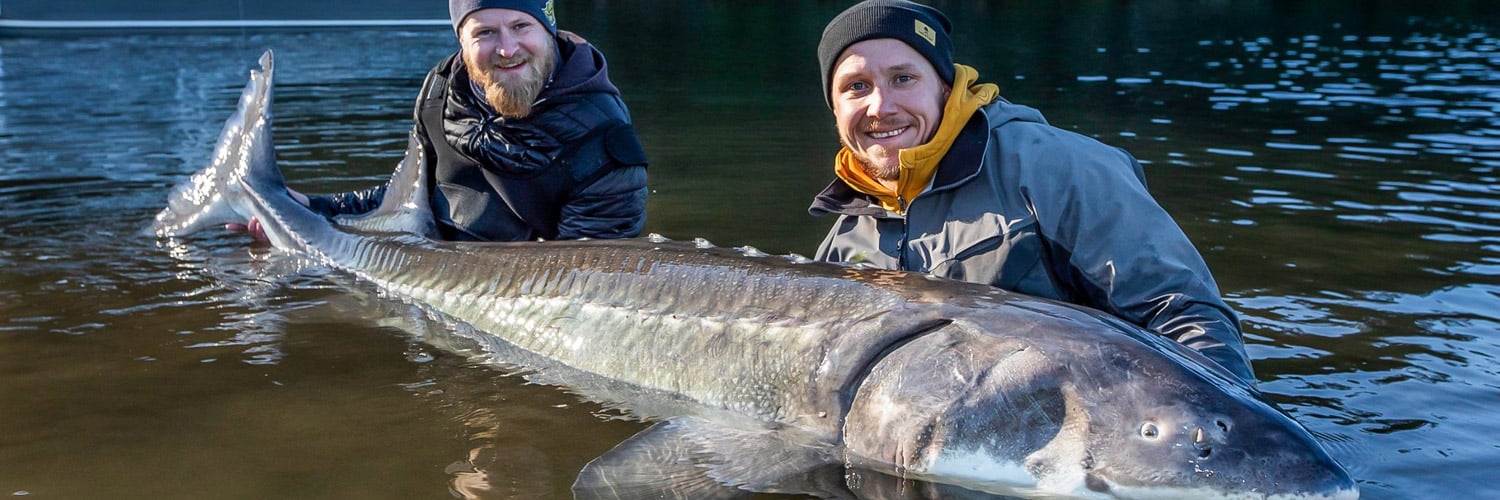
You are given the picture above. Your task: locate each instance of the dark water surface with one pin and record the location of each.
(1335, 162)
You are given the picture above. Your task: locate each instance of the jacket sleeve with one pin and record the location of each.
(1116, 249)
(610, 198)
(350, 203)
(613, 206)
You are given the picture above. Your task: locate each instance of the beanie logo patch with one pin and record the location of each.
(550, 13)
(922, 29)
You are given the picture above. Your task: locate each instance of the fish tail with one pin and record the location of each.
(217, 194)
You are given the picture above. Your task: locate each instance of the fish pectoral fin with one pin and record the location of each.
(690, 457)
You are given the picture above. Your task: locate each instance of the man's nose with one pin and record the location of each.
(508, 45)
(881, 103)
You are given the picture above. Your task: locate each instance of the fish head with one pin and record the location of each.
(1013, 415)
(1173, 426)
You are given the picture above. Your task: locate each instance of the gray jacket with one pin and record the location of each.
(1028, 207)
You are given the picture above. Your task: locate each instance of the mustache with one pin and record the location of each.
(874, 125)
(511, 61)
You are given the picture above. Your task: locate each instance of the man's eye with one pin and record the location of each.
(858, 86)
(905, 78)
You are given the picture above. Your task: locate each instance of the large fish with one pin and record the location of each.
(764, 373)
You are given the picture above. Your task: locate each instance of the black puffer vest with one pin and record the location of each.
(499, 179)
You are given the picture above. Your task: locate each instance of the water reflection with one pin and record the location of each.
(4, 101)
(519, 439)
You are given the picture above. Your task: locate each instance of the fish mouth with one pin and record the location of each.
(1336, 487)
(1205, 493)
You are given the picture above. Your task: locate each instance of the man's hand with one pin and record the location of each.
(254, 228)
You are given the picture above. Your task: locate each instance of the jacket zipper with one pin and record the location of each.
(905, 234)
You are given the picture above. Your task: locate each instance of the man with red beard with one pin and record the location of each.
(939, 174)
(524, 135)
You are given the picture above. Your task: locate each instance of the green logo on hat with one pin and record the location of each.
(923, 30)
(551, 17)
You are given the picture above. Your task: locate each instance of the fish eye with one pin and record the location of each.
(1150, 431)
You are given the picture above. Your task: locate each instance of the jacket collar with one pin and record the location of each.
(961, 163)
(919, 163)
(581, 69)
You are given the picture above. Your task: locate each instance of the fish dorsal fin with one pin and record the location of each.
(406, 207)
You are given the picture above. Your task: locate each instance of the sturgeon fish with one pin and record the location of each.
(762, 373)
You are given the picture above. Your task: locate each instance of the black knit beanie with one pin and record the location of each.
(922, 27)
(540, 9)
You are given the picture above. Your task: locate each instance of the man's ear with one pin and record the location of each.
(571, 37)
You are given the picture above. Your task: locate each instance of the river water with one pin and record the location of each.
(1335, 162)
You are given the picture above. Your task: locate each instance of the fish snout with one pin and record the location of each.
(1203, 436)
(1208, 435)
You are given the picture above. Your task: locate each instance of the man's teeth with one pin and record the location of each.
(892, 133)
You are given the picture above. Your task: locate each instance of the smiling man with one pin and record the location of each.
(523, 134)
(939, 174)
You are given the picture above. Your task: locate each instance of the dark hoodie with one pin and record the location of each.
(573, 168)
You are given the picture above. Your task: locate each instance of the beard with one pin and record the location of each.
(878, 170)
(887, 168)
(513, 97)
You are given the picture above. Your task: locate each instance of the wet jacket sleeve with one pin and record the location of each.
(1117, 250)
(350, 203)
